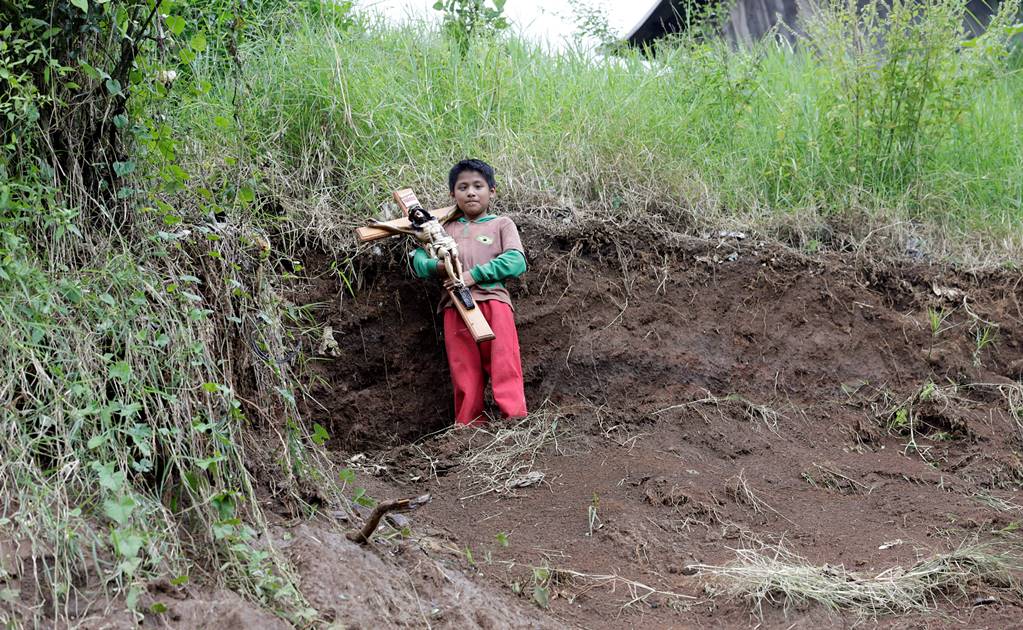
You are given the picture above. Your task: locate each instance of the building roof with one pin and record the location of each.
(665, 16)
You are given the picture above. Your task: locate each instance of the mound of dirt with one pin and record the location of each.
(708, 394)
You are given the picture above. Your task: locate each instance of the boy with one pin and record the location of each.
(491, 251)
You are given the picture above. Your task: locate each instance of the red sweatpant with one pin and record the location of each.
(471, 362)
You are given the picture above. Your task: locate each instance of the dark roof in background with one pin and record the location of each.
(750, 20)
(664, 17)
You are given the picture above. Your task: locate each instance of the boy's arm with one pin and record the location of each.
(510, 264)
(424, 266)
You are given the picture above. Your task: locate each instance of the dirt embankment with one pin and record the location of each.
(698, 405)
(709, 395)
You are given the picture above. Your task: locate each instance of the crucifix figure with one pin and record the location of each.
(428, 230)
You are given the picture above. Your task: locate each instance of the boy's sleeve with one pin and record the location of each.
(510, 236)
(422, 265)
(510, 264)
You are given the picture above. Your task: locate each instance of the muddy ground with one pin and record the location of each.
(708, 395)
(691, 398)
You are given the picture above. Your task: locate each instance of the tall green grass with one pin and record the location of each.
(856, 127)
(143, 388)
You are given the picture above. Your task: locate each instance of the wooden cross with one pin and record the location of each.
(473, 318)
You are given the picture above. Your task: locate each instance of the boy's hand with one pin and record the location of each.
(467, 280)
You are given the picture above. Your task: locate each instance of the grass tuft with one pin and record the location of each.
(913, 142)
(506, 460)
(771, 575)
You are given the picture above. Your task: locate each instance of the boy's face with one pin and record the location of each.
(472, 194)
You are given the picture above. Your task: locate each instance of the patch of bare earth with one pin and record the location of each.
(725, 433)
(710, 399)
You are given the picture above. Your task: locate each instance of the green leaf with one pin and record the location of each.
(124, 168)
(502, 539)
(211, 387)
(181, 580)
(158, 608)
(186, 56)
(347, 475)
(126, 544)
(96, 441)
(176, 24)
(81, 4)
(198, 42)
(121, 371)
(71, 292)
(132, 600)
(359, 496)
(109, 477)
(320, 434)
(246, 195)
(113, 86)
(141, 434)
(119, 510)
(209, 461)
(541, 596)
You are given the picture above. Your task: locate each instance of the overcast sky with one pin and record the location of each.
(549, 21)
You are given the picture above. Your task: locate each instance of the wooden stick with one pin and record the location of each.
(395, 505)
(474, 320)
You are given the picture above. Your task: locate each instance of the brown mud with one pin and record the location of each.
(695, 396)
(709, 394)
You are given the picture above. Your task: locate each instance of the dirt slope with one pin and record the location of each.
(709, 395)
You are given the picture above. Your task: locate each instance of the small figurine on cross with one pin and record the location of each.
(428, 229)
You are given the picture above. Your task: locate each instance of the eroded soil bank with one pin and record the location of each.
(694, 400)
(709, 395)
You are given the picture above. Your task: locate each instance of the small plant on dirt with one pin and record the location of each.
(591, 514)
(360, 497)
(983, 337)
(542, 577)
(935, 318)
(347, 477)
(502, 539)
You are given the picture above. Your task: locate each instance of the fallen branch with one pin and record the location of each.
(395, 505)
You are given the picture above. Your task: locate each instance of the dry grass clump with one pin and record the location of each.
(1013, 394)
(769, 574)
(752, 412)
(738, 488)
(828, 476)
(507, 458)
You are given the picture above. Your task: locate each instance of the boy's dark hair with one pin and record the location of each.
(479, 166)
